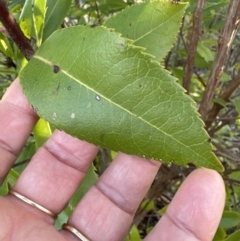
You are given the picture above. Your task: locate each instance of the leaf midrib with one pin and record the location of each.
(152, 30)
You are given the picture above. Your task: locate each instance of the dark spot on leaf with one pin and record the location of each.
(140, 86)
(69, 87)
(56, 90)
(111, 30)
(130, 24)
(83, 38)
(56, 69)
(209, 140)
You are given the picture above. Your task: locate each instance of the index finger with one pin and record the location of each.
(17, 120)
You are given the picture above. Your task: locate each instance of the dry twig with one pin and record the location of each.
(225, 39)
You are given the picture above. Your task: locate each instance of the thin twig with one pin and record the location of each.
(15, 32)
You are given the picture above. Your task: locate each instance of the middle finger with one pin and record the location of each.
(106, 211)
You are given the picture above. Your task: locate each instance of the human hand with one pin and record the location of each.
(106, 212)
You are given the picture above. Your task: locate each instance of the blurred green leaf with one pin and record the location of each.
(5, 46)
(88, 181)
(56, 12)
(236, 103)
(225, 77)
(220, 101)
(162, 210)
(229, 219)
(42, 132)
(9, 181)
(205, 52)
(112, 6)
(147, 205)
(39, 11)
(133, 234)
(234, 237)
(61, 219)
(25, 19)
(220, 235)
(26, 154)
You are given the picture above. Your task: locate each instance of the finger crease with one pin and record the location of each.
(63, 160)
(116, 198)
(182, 226)
(8, 148)
(20, 110)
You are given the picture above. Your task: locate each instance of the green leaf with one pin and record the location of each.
(10, 180)
(95, 85)
(205, 52)
(133, 234)
(5, 46)
(32, 18)
(39, 11)
(153, 25)
(225, 77)
(61, 219)
(219, 235)
(236, 103)
(162, 210)
(56, 12)
(25, 19)
(147, 205)
(42, 132)
(234, 237)
(220, 101)
(111, 6)
(229, 219)
(26, 154)
(88, 181)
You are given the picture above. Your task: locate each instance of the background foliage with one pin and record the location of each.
(192, 60)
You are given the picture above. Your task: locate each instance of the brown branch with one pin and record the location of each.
(225, 96)
(192, 46)
(15, 32)
(226, 37)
